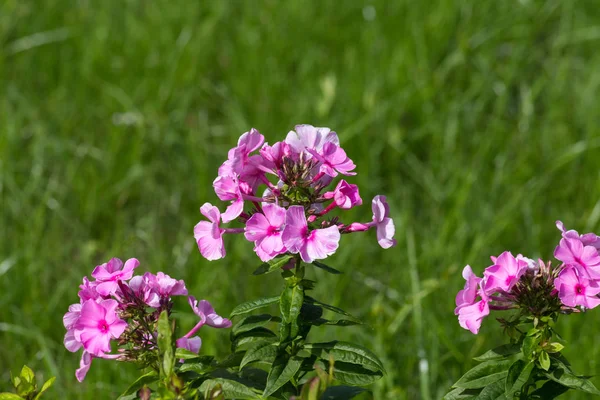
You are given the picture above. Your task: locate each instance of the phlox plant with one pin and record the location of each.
(536, 293)
(288, 200)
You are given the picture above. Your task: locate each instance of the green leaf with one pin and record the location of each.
(346, 352)
(200, 365)
(47, 385)
(165, 345)
(572, 381)
(341, 392)
(484, 374)
(335, 322)
(354, 374)
(25, 389)
(273, 265)
(494, 391)
(544, 360)
(328, 269)
(280, 376)
(10, 396)
(231, 389)
(499, 352)
(253, 305)
(263, 351)
(336, 310)
(549, 390)
(530, 345)
(253, 335)
(461, 394)
(27, 375)
(145, 379)
(184, 354)
(290, 305)
(253, 321)
(518, 374)
(232, 360)
(554, 347)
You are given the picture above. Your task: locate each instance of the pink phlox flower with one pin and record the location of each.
(88, 290)
(192, 344)
(309, 137)
(209, 235)
(228, 188)
(312, 245)
(503, 275)
(471, 316)
(575, 290)
(109, 273)
(384, 224)
(140, 285)
(588, 239)
(206, 312)
(84, 366)
(166, 286)
(69, 321)
(466, 297)
(345, 195)
(265, 231)
(333, 160)
(584, 258)
(273, 155)
(531, 264)
(98, 323)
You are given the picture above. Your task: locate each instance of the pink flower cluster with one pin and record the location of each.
(508, 282)
(118, 306)
(289, 215)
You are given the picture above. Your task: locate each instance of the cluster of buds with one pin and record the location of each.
(536, 288)
(290, 216)
(120, 308)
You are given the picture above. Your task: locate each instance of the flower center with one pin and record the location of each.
(579, 289)
(102, 326)
(509, 279)
(272, 230)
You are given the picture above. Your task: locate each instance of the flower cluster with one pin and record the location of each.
(290, 214)
(119, 307)
(534, 287)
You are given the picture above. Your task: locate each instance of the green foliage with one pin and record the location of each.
(26, 387)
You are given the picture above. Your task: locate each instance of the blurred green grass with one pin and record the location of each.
(479, 120)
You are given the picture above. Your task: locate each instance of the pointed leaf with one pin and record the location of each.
(27, 374)
(165, 344)
(494, 391)
(518, 374)
(262, 351)
(253, 321)
(280, 376)
(572, 381)
(335, 309)
(461, 394)
(10, 396)
(200, 365)
(254, 335)
(346, 352)
(273, 265)
(326, 268)
(45, 387)
(145, 379)
(341, 392)
(184, 354)
(499, 352)
(484, 374)
(355, 374)
(254, 305)
(290, 305)
(549, 390)
(231, 389)
(544, 360)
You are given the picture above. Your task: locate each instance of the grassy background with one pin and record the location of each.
(479, 120)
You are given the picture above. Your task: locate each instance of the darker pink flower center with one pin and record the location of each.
(579, 289)
(272, 230)
(102, 326)
(482, 304)
(509, 279)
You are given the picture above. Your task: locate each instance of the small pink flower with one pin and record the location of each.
(466, 297)
(265, 231)
(166, 286)
(273, 155)
(207, 313)
(470, 317)
(503, 275)
(141, 288)
(84, 366)
(88, 290)
(588, 239)
(345, 195)
(383, 223)
(109, 273)
(312, 245)
(69, 321)
(98, 323)
(334, 160)
(209, 235)
(309, 137)
(228, 188)
(574, 290)
(192, 344)
(584, 258)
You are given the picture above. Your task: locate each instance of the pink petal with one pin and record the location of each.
(211, 212)
(71, 343)
(233, 211)
(84, 366)
(385, 233)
